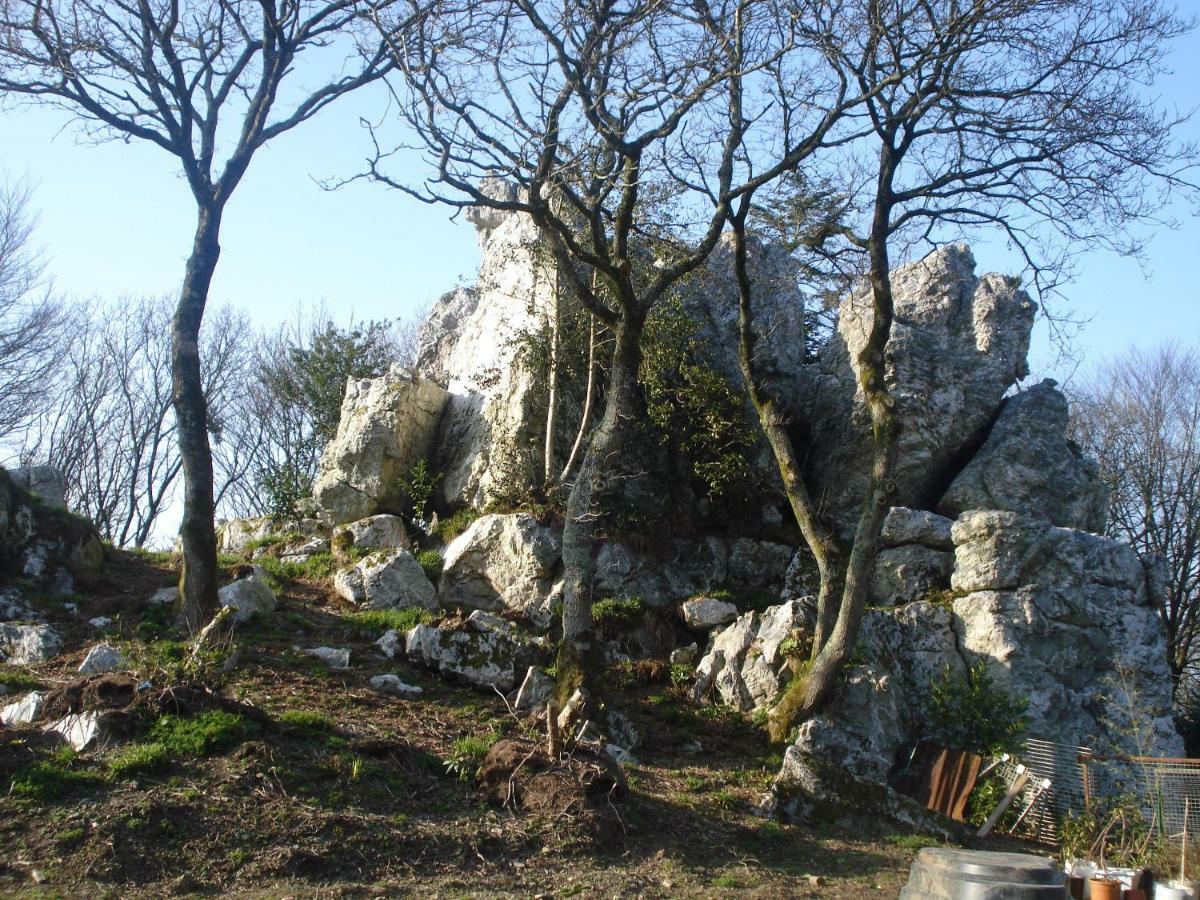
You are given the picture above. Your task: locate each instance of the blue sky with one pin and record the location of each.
(115, 219)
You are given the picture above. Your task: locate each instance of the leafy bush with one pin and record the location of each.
(1116, 831)
(282, 487)
(418, 487)
(975, 715)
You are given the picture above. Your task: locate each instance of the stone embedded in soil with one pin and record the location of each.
(685, 656)
(386, 579)
(333, 657)
(482, 659)
(80, 730)
(103, 658)
(536, 690)
(23, 645)
(391, 643)
(394, 687)
(164, 596)
(249, 595)
(100, 622)
(24, 711)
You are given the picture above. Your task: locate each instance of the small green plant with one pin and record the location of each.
(16, 680)
(681, 674)
(453, 525)
(381, 620)
(48, 780)
(467, 753)
(418, 487)
(139, 759)
(612, 616)
(283, 486)
(305, 721)
(208, 732)
(431, 562)
(973, 714)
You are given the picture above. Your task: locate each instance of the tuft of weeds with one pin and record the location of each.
(139, 759)
(468, 752)
(304, 721)
(318, 567)
(431, 562)
(380, 620)
(201, 735)
(17, 680)
(611, 615)
(453, 525)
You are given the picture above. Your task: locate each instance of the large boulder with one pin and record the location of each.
(747, 664)
(958, 343)
(43, 543)
(44, 482)
(483, 659)
(387, 425)
(1027, 465)
(503, 562)
(387, 579)
(248, 595)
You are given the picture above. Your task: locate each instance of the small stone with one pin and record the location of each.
(164, 596)
(391, 643)
(706, 613)
(80, 730)
(334, 658)
(394, 687)
(103, 658)
(24, 711)
(620, 755)
(248, 595)
(685, 656)
(484, 621)
(693, 747)
(100, 622)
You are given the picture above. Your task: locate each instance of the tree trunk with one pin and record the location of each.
(198, 583)
(586, 415)
(552, 400)
(577, 662)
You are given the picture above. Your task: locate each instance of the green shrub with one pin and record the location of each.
(203, 734)
(418, 487)
(973, 714)
(468, 752)
(611, 615)
(139, 759)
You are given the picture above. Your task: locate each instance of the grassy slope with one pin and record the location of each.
(347, 792)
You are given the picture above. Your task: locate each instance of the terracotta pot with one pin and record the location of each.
(1105, 889)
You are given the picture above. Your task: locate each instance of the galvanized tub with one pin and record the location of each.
(942, 873)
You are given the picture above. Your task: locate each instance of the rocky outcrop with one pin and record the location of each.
(707, 613)
(387, 425)
(909, 572)
(1027, 465)
(386, 580)
(44, 482)
(480, 658)
(958, 343)
(41, 543)
(503, 562)
(23, 645)
(382, 532)
(747, 663)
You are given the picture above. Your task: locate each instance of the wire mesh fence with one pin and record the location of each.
(1062, 779)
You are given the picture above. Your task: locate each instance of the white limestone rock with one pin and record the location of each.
(23, 645)
(248, 596)
(535, 692)
(387, 579)
(746, 664)
(707, 613)
(387, 425)
(235, 536)
(502, 562)
(82, 730)
(958, 343)
(335, 658)
(164, 597)
(916, 526)
(391, 643)
(381, 532)
(907, 573)
(1028, 466)
(394, 687)
(481, 659)
(24, 711)
(103, 658)
(44, 482)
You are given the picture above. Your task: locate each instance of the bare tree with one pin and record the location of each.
(607, 121)
(1139, 415)
(1022, 115)
(205, 82)
(31, 318)
(109, 425)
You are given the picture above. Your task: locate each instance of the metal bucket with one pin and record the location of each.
(941, 873)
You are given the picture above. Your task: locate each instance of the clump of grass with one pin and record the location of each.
(468, 752)
(304, 720)
(380, 620)
(48, 780)
(201, 735)
(431, 563)
(611, 615)
(139, 759)
(453, 525)
(16, 680)
(318, 567)
(157, 557)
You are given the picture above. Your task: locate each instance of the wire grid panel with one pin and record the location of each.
(1041, 808)
(1169, 789)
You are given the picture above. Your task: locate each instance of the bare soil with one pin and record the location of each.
(344, 792)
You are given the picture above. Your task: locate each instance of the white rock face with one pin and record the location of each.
(1028, 466)
(482, 659)
(248, 596)
(745, 665)
(382, 532)
(23, 645)
(24, 711)
(236, 535)
(394, 687)
(103, 658)
(387, 425)
(917, 526)
(44, 482)
(336, 658)
(958, 343)
(707, 613)
(502, 562)
(907, 573)
(386, 580)
(81, 730)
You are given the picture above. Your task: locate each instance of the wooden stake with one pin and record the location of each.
(1005, 803)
